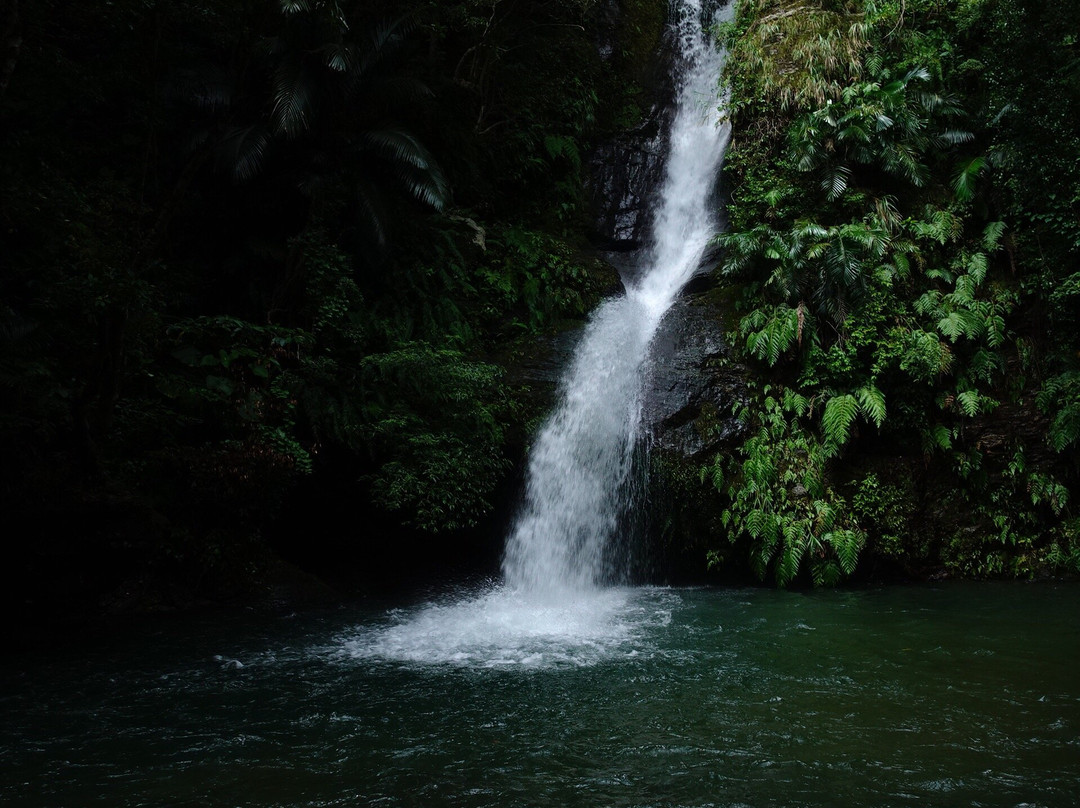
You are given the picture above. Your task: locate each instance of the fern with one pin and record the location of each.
(825, 516)
(840, 412)
(1065, 428)
(977, 267)
(774, 333)
(984, 364)
(929, 302)
(965, 291)
(970, 402)
(940, 437)
(961, 323)
(1047, 490)
(825, 572)
(1060, 396)
(995, 330)
(755, 523)
(847, 544)
(872, 404)
(790, 559)
(992, 236)
(796, 403)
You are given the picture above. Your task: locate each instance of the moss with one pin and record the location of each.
(685, 519)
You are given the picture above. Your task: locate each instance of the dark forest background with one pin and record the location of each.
(270, 271)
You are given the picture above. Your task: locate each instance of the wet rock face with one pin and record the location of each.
(625, 170)
(624, 174)
(690, 383)
(689, 386)
(549, 356)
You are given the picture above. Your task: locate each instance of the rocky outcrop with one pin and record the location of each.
(625, 168)
(625, 171)
(691, 382)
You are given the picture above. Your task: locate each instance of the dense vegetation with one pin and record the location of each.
(268, 266)
(904, 228)
(264, 262)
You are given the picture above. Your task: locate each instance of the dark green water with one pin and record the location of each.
(952, 695)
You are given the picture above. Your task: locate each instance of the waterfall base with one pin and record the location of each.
(501, 627)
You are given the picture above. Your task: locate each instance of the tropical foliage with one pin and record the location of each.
(878, 236)
(258, 250)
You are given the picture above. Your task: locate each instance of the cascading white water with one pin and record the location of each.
(551, 610)
(580, 465)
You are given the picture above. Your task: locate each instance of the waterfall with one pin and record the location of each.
(579, 467)
(552, 610)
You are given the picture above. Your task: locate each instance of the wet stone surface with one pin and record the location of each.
(690, 383)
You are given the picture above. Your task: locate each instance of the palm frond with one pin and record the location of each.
(295, 6)
(382, 40)
(412, 164)
(964, 180)
(370, 214)
(339, 56)
(836, 182)
(428, 186)
(293, 97)
(243, 150)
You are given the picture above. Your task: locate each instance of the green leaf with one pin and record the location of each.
(219, 384)
(839, 414)
(969, 402)
(964, 180)
(847, 544)
(992, 236)
(872, 404)
(978, 265)
(941, 437)
(189, 355)
(795, 402)
(790, 559)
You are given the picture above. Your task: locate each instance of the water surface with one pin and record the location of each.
(911, 696)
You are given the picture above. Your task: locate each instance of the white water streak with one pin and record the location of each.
(580, 465)
(551, 611)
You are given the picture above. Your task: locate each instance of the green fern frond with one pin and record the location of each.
(840, 412)
(992, 236)
(939, 437)
(795, 402)
(968, 402)
(847, 544)
(790, 559)
(872, 404)
(977, 266)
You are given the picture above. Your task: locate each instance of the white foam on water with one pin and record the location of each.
(504, 628)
